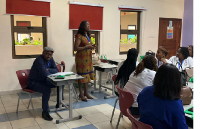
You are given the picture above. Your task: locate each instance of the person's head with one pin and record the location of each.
(167, 82)
(132, 54)
(190, 49)
(128, 67)
(84, 27)
(161, 52)
(48, 53)
(182, 53)
(148, 62)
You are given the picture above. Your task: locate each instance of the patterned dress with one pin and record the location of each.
(83, 59)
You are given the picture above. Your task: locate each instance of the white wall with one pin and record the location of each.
(60, 37)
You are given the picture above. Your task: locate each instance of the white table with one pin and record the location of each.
(115, 61)
(68, 80)
(104, 67)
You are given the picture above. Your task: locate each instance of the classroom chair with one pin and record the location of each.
(137, 124)
(126, 100)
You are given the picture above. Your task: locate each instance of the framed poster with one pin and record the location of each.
(169, 32)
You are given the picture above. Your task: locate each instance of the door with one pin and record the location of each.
(170, 34)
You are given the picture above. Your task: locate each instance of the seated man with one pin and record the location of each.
(43, 66)
(161, 56)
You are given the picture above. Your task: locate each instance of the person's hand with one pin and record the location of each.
(47, 69)
(95, 46)
(164, 60)
(89, 47)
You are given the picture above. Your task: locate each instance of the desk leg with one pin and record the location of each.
(113, 91)
(66, 107)
(60, 96)
(100, 76)
(70, 101)
(95, 82)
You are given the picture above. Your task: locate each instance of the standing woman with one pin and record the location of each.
(83, 59)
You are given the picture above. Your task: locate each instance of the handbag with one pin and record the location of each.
(183, 76)
(150, 53)
(95, 59)
(189, 73)
(186, 95)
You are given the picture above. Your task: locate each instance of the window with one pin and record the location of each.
(29, 36)
(129, 31)
(94, 38)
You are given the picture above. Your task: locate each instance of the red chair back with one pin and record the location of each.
(59, 67)
(114, 78)
(23, 77)
(63, 63)
(126, 100)
(137, 124)
(104, 61)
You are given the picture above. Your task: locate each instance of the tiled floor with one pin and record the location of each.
(96, 113)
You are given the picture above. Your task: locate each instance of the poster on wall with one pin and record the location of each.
(169, 32)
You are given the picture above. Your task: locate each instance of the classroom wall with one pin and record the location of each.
(187, 37)
(60, 37)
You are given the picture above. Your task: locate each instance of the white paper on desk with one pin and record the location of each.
(106, 65)
(61, 73)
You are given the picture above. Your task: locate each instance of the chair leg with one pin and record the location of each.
(114, 109)
(120, 115)
(32, 104)
(29, 103)
(18, 102)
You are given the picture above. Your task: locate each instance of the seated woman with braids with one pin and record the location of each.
(128, 66)
(142, 77)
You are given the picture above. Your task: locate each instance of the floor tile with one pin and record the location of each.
(86, 127)
(34, 100)
(86, 111)
(97, 117)
(80, 105)
(23, 123)
(32, 127)
(65, 114)
(2, 110)
(35, 105)
(40, 120)
(9, 98)
(107, 125)
(5, 125)
(100, 95)
(125, 122)
(103, 107)
(53, 126)
(20, 115)
(37, 112)
(77, 123)
(109, 114)
(94, 102)
(4, 118)
(11, 109)
(1, 104)
(12, 103)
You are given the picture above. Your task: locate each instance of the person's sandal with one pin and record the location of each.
(88, 96)
(83, 99)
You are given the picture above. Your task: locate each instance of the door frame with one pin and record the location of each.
(175, 19)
